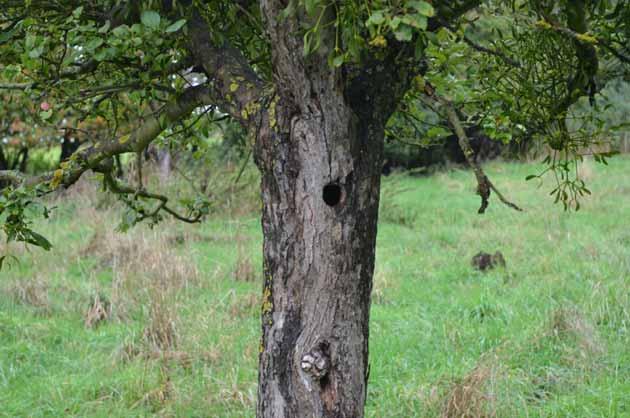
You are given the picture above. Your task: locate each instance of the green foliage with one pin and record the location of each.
(515, 69)
(360, 25)
(17, 211)
(520, 81)
(71, 38)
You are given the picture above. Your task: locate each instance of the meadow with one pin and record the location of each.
(165, 321)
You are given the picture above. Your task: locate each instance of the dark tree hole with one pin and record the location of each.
(332, 194)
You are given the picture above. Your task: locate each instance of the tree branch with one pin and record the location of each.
(500, 54)
(236, 85)
(118, 187)
(585, 38)
(15, 86)
(93, 156)
(484, 185)
(12, 176)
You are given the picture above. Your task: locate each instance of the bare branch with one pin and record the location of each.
(120, 188)
(15, 86)
(12, 176)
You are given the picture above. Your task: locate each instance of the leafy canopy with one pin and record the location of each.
(168, 71)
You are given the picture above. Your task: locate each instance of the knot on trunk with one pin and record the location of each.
(317, 361)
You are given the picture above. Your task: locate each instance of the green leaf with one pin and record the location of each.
(432, 37)
(530, 177)
(150, 19)
(105, 53)
(93, 44)
(287, 11)
(437, 132)
(45, 114)
(77, 12)
(395, 22)
(422, 7)
(404, 33)
(38, 240)
(376, 18)
(175, 26)
(417, 21)
(104, 28)
(36, 52)
(6, 257)
(310, 6)
(338, 60)
(5, 36)
(120, 31)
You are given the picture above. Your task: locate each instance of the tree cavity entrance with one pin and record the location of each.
(332, 194)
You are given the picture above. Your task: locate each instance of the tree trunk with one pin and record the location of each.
(320, 188)
(69, 145)
(4, 165)
(21, 159)
(320, 151)
(320, 159)
(164, 163)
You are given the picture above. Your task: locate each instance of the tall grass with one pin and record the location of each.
(164, 321)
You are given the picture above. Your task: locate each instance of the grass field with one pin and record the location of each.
(164, 322)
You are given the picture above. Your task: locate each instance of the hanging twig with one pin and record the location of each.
(484, 185)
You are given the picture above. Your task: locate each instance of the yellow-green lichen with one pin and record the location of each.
(273, 122)
(586, 38)
(56, 179)
(250, 109)
(378, 41)
(419, 82)
(267, 305)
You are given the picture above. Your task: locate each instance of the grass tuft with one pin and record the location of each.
(99, 310)
(30, 292)
(474, 396)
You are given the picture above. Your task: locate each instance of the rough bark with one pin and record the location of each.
(320, 150)
(320, 186)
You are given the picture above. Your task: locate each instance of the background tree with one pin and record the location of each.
(314, 84)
